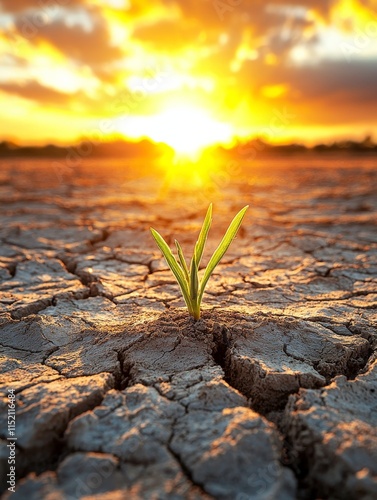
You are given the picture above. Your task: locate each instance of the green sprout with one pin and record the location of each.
(188, 279)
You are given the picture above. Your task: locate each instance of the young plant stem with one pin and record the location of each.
(188, 279)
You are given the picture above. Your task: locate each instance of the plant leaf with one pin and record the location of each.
(194, 281)
(199, 246)
(222, 248)
(174, 266)
(194, 288)
(182, 260)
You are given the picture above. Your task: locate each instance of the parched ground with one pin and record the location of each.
(272, 395)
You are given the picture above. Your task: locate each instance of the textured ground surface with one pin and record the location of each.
(271, 395)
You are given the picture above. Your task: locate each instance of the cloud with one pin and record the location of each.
(168, 35)
(17, 6)
(332, 79)
(77, 28)
(258, 14)
(338, 80)
(256, 27)
(34, 91)
(91, 46)
(334, 92)
(243, 47)
(173, 26)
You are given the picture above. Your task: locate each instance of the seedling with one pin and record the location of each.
(188, 278)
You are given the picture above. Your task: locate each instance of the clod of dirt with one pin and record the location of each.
(43, 413)
(332, 433)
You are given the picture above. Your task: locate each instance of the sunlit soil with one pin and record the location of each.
(277, 379)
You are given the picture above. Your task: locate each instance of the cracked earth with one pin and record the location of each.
(120, 395)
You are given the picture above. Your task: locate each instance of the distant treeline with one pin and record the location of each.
(141, 149)
(149, 149)
(258, 147)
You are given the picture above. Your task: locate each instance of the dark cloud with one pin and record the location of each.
(256, 13)
(332, 92)
(342, 81)
(90, 46)
(17, 6)
(34, 91)
(354, 80)
(87, 42)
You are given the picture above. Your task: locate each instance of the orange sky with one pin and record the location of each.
(189, 72)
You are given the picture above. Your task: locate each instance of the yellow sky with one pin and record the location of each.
(188, 73)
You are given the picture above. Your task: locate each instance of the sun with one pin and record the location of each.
(188, 129)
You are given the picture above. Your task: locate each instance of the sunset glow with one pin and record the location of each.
(186, 129)
(188, 73)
